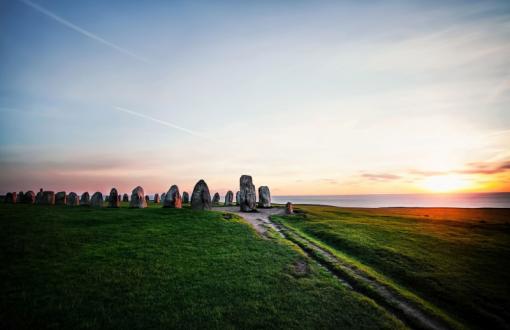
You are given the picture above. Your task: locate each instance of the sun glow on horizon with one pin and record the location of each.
(446, 183)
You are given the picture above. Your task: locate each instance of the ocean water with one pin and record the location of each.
(468, 200)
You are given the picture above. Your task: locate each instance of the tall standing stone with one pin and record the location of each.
(147, 199)
(173, 198)
(156, 199)
(247, 195)
(61, 198)
(201, 198)
(216, 198)
(97, 200)
(106, 198)
(229, 197)
(185, 197)
(85, 199)
(39, 196)
(238, 197)
(125, 198)
(48, 198)
(72, 199)
(162, 198)
(29, 197)
(113, 200)
(19, 197)
(264, 197)
(138, 198)
(10, 198)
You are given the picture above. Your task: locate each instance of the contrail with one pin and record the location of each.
(162, 122)
(82, 31)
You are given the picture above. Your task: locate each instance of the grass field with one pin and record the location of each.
(79, 267)
(457, 259)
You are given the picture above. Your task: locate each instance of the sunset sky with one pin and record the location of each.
(308, 97)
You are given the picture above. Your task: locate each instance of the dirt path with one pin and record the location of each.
(387, 297)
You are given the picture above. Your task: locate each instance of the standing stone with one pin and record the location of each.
(216, 198)
(201, 198)
(247, 195)
(162, 198)
(19, 197)
(10, 198)
(264, 197)
(125, 198)
(39, 196)
(72, 199)
(173, 198)
(288, 208)
(29, 197)
(147, 199)
(229, 197)
(238, 197)
(48, 198)
(156, 199)
(85, 199)
(106, 198)
(97, 200)
(185, 197)
(138, 198)
(114, 200)
(61, 198)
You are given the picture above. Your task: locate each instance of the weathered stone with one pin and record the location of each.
(119, 198)
(38, 196)
(173, 198)
(97, 200)
(162, 198)
(10, 198)
(238, 197)
(138, 198)
(19, 197)
(264, 197)
(185, 197)
(29, 197)
(85, 199)
(156, 198)
(73, 199)
(229, 197)
(288, 208)
(247, 194)
(216, 198)
(113, 200)
(48, 198)
(125, 198)
(201, 198)
(106, 198)
(147, 199)
(60, 198)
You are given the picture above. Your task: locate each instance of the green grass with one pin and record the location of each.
(80, 267)
(458, 260)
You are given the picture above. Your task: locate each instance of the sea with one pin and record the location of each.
(465, 200)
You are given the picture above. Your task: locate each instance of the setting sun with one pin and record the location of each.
(446, 183)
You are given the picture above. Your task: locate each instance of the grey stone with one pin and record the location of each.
(72, 199)
(156, 198)
(113, 199)
(264, 197)
(138, 198)
(162, 198)
(85, 199)
(19, 197)
(288, 208)
(229, 197)
(61, 198)
(125, 198)
(106, 198)
(48, 198)
(97, 200)
(29, 197)
(238, 197)
(10, 198)
(173, 198)
(201, 198)
(185, 197)
(39, 196)
(247, 195)
(216, 198)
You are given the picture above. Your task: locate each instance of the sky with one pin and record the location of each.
(308, 97)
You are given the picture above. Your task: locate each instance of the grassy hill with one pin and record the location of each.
(79, 267)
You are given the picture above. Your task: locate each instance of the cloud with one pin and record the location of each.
(471, 168)
(82, 31)
(328, 180)
(380, 176)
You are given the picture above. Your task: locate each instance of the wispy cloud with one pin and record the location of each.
(380, 176)
(162, 122)
(82, 31)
